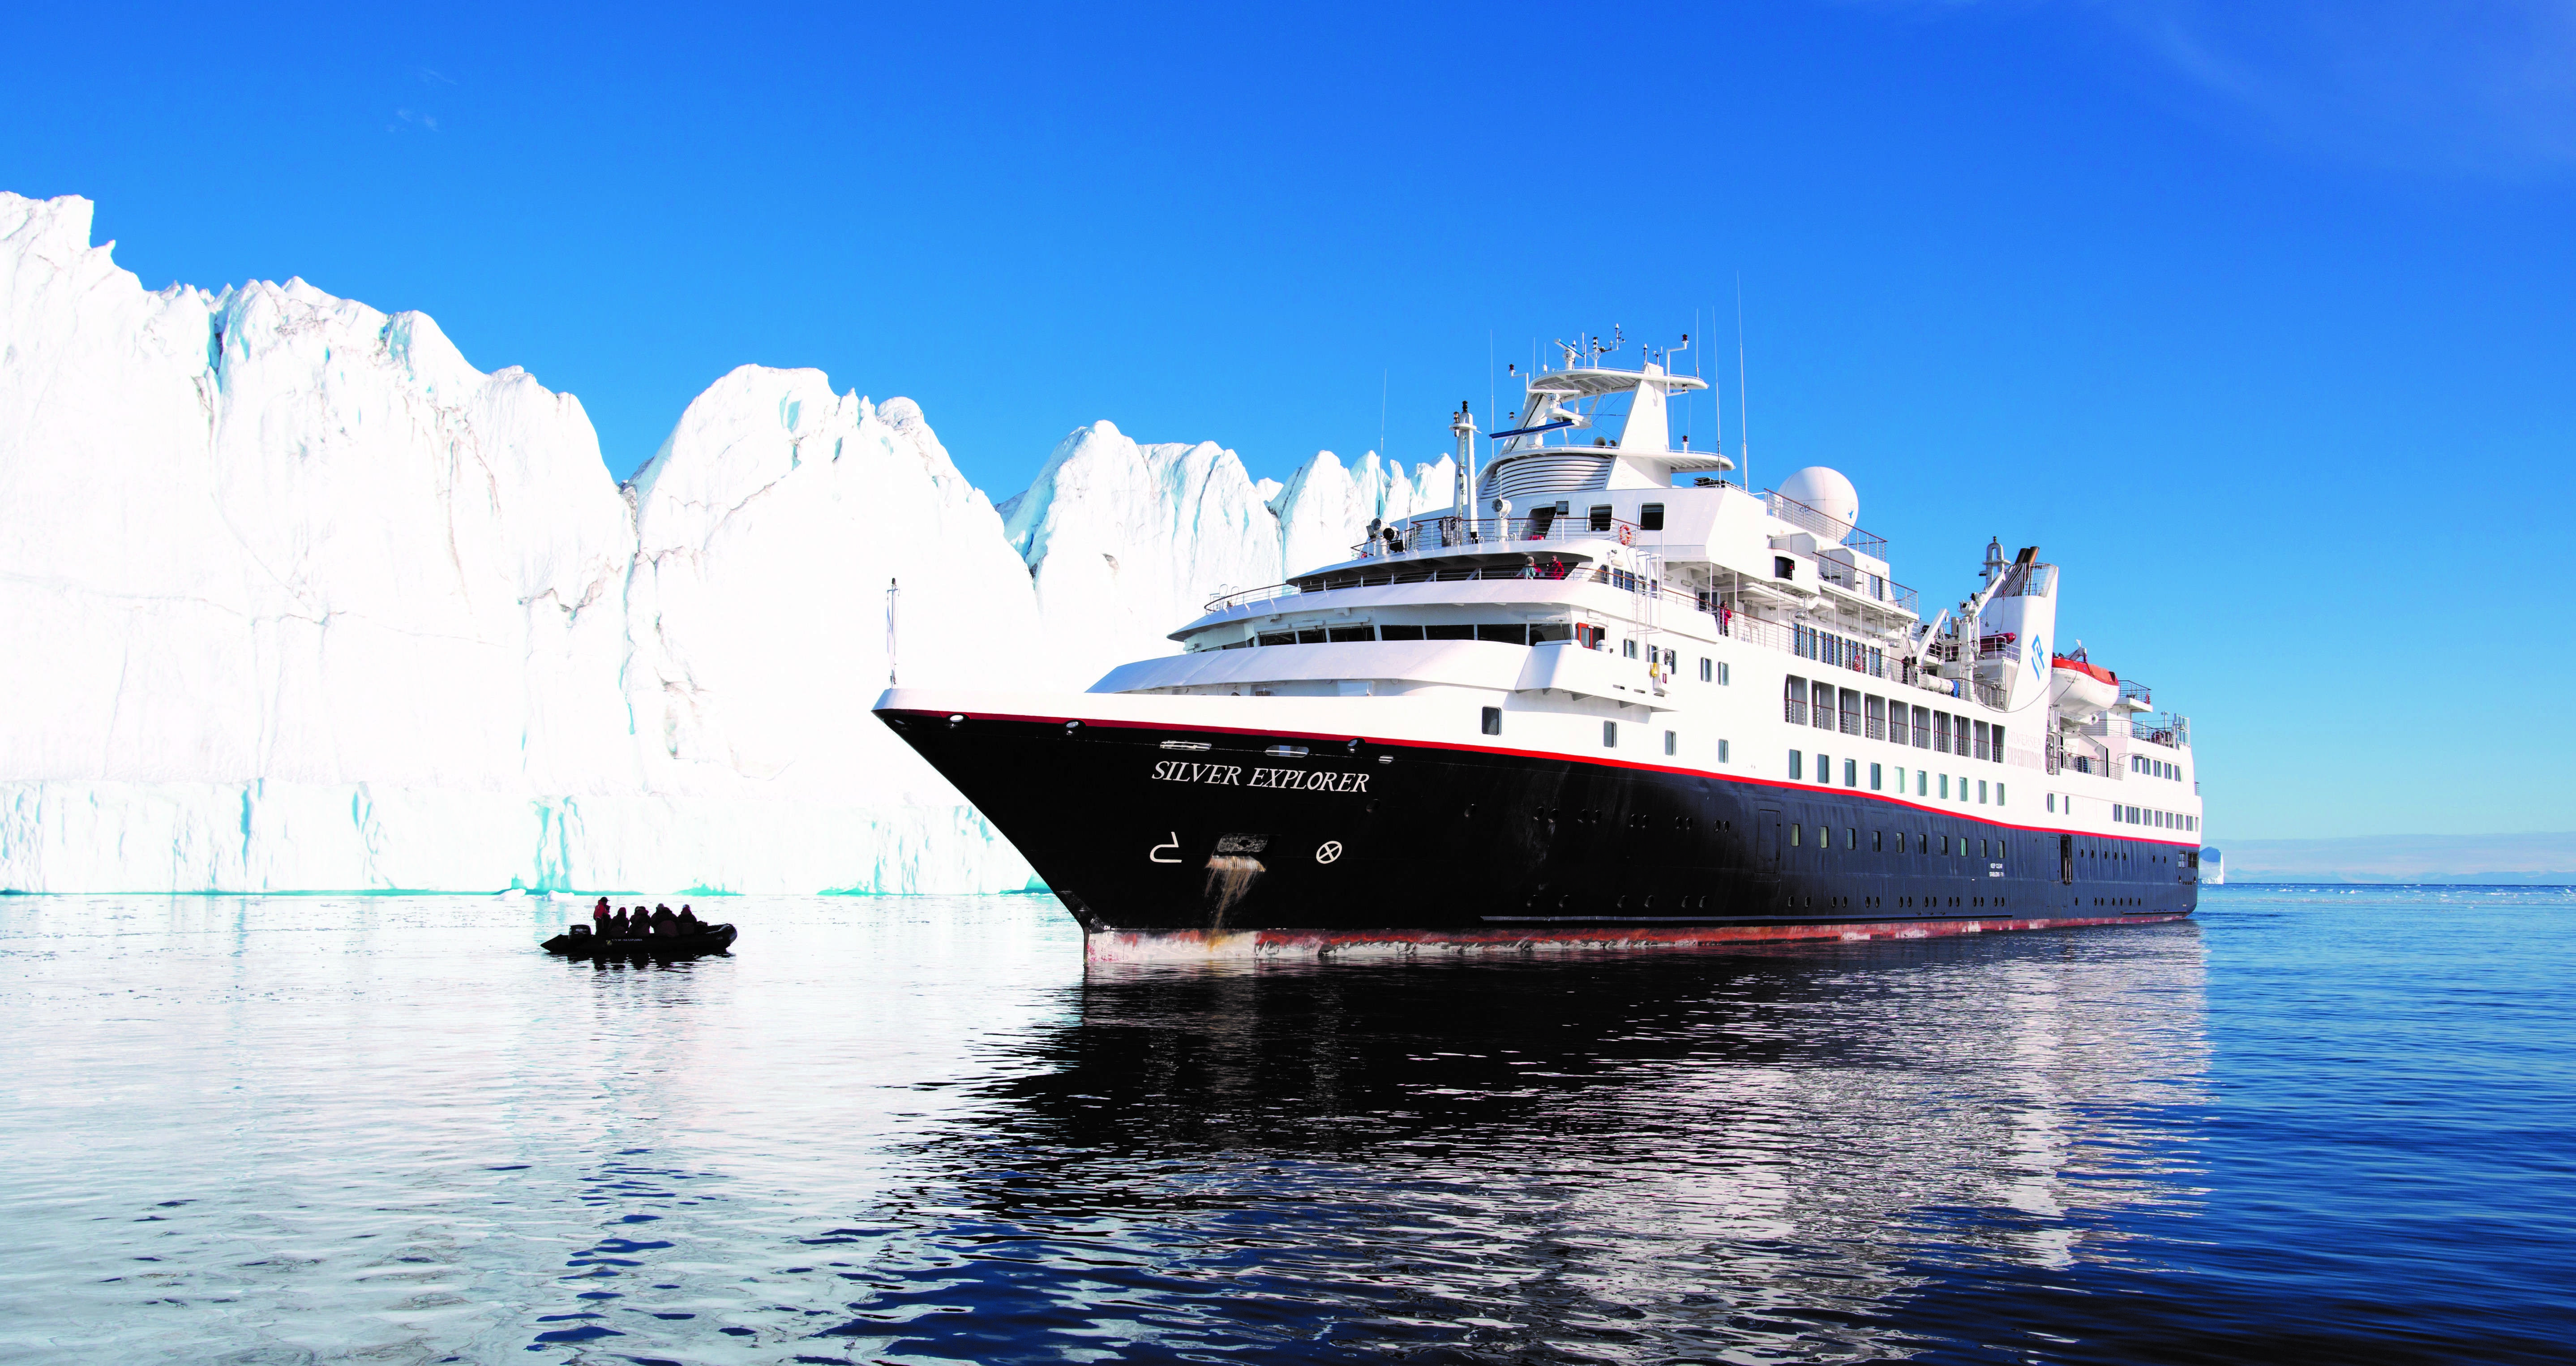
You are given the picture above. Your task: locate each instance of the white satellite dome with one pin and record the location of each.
(1825, 490)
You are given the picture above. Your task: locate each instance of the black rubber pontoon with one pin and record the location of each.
(708, 939)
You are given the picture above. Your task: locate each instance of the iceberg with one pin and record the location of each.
(308, 603)
(1126, 542)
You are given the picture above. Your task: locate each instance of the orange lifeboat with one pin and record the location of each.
(2078, 688)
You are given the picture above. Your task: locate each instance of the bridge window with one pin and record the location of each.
(1601, 517)
(1449, 633)
(1543, 632)
(1504, 635)
(1399, 633)
(1348, 633)
(1311, 636)
(1650, 517)
(1278, 637)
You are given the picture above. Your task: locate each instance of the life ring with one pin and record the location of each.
(1627, 534)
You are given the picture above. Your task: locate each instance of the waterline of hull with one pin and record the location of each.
(1180, 946)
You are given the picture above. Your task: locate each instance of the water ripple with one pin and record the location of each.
(2320, 1123)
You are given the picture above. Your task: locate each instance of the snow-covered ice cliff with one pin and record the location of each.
(303, 601)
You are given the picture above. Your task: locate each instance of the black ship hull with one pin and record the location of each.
(1171, 840)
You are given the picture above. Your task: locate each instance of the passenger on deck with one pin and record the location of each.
(616, 924)
(663, 919)
(599, 917)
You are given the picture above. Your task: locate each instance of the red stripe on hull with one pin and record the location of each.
(1146, 946)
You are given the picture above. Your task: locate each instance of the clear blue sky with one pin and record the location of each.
(2261, 319)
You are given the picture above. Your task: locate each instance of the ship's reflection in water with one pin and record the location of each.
(1806, 1154)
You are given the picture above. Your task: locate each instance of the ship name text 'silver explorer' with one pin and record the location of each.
(1607, 699)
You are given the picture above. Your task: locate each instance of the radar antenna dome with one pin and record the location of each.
(1825, 490)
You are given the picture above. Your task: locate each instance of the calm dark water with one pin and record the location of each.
(2327, 1125)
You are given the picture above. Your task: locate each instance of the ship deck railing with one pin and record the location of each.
(1853, 579)
(1887, 664)
(1833, 528)
(1423, 535)
(2163, 728)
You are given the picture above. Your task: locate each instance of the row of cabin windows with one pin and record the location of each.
(1650, 517)
(2154, 767)
(1598, 517)
(2161, 820)
(1536, 633)
(1840, 652)
(1849, 711)
(1926, 783)
(1895, 842)
(1492, 724)
(1991, 848)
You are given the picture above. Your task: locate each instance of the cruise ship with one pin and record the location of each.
(1607, 699)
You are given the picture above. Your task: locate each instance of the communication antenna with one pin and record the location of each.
(893, 588)
(1463, 426)
(1691, 415)
(1717, 415)
(1743, 396)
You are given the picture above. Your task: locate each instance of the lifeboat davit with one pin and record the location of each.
(2079, 689)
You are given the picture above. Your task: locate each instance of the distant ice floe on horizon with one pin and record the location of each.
(328, 609)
